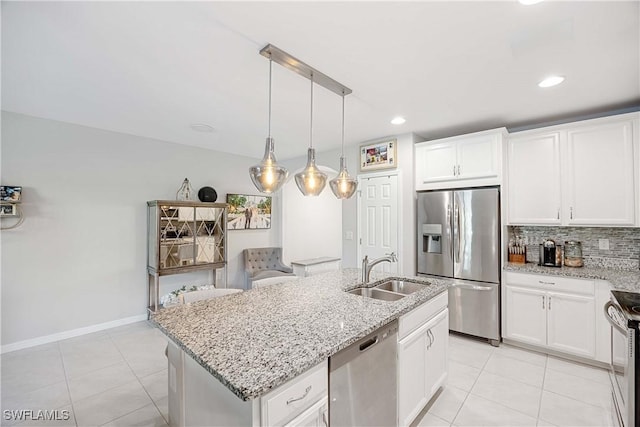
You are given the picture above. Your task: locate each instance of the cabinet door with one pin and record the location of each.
(435, 162)
(437, 353)
(571, 323)
(412, 392)
(600, 181)
(477, 157)
(534, 179)
(316, 416)
(526, 315)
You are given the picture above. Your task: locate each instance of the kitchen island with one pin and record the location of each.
(256, 341)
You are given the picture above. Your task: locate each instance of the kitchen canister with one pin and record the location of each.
(573, 253)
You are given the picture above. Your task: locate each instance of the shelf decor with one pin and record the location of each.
(378, 155)
(248, 212)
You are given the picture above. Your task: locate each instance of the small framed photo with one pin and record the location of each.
(10, 193)
(378, 155)
(7, 210)
(247, 212)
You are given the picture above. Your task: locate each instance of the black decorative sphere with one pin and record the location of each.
(207, 194)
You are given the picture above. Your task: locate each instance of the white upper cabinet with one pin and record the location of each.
(533, 177)
(578, 174)
(600, 175)
(461, 161)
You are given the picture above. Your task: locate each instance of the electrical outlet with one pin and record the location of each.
(603, 244)
(348, 235)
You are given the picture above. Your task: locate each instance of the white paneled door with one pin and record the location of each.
(378, 219)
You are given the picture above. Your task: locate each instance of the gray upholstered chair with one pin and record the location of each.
(265, 263)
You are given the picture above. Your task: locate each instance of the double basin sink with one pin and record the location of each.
(391, 290)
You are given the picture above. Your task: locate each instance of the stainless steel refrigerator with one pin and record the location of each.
(459, 238)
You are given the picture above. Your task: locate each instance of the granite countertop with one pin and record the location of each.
(257, 340)
(624, 280)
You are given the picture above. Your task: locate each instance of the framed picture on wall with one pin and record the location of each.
(247, 212)
(378, 155)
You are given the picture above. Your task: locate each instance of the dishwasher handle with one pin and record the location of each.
(369, 343)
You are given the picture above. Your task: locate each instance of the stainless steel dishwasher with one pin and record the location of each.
(363, 385)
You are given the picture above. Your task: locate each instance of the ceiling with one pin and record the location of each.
(154, 68)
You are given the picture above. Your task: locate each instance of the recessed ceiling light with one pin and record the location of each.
(201, 127)
(398, 120)
(529, 2)
(551, 81)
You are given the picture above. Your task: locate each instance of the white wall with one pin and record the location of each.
(79, 259)
(312, 226)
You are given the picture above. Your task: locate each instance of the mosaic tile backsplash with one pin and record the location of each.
(624, 243)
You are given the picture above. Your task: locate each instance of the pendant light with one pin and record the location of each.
(343, 185)
(311, 180)
(268, 176)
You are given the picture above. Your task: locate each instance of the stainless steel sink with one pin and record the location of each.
(376, 294)
(401, 286)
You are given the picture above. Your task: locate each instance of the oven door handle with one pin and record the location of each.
(613, 322)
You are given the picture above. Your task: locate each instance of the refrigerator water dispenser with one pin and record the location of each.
(432, 238)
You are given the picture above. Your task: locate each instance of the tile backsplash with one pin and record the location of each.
(624, 243)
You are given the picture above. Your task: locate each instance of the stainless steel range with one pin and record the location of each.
(623, 312)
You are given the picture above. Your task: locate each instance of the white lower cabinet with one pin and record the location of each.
(316, 416)
(197, 398)
(422, 357)
(551, 312)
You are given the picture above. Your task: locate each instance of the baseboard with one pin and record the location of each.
(70, 334)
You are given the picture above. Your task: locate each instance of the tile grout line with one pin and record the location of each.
(66, 381)
(546, 364)
(473, 385)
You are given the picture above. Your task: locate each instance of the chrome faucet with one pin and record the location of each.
(367, 266)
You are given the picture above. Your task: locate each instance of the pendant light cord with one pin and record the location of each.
(270, 71)
(343, 123)
(311, 120)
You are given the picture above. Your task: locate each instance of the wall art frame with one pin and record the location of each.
(248, 212)
(379, 155)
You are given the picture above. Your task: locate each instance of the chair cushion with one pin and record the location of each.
(188, 297)
(272, 281)
(265, 274)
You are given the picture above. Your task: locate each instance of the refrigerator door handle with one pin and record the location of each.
(458, 233)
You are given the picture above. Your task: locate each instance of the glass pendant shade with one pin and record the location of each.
(311, 180)
(268, 176)
(343, 185)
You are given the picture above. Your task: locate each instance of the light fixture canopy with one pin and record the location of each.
(268, 176)
(311, 180)
(343, 185)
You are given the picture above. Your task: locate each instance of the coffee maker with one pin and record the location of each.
(550, 254)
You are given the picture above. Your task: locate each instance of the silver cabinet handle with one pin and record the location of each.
(571, 212)
(458, 170)
(543, 302)
(433, 339)
(430, 336)
(546, 283)
(549, 302)
(558, 213)
(306, 392)
(454, 170)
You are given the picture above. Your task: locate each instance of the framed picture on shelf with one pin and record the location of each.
(378, 155)
(247, 212)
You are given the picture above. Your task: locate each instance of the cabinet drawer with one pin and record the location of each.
(554, 283)
(418, 316)
(287, 401)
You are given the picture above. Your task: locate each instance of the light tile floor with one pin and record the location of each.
(509, 386)
(119, 378)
